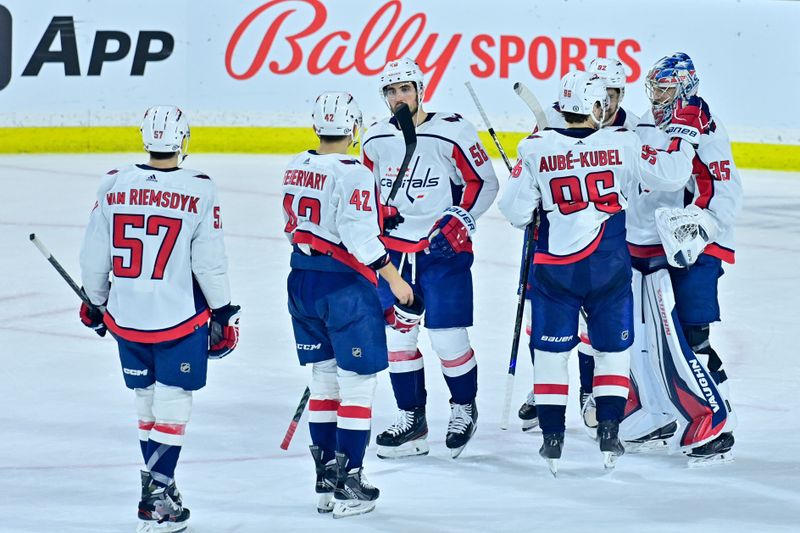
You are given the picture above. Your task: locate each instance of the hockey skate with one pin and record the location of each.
(718, 451)
(610, 445)
(652, 441)
(551, 450)
(161, 508)
(462, 426)
(528, 414)
(326, 480)
(353, 495)
(588, 410)
(406, 437)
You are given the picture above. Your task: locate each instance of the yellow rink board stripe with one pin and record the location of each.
(285, 140)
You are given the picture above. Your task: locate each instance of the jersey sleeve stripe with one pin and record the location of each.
(473, 181)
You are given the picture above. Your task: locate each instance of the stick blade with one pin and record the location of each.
(406, 123)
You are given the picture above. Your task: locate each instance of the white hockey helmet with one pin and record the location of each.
(405, 69)
(580, 91)
(612, 72)
(336, 114)
(165, 129)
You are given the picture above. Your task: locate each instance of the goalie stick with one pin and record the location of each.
(406, 123)
(287, 439)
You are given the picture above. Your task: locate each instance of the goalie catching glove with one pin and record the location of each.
(684, 233)
(223, 331)
(404, 317)
(451, 233)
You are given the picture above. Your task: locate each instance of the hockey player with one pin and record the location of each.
(612, 72)
(156, 229)
(578, 177)
(711, 200)
(450, 183)
(333, 221)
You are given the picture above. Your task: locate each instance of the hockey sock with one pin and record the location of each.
(162, 459)
(463, 389)
(609, 407)
(552, 418)
(409, 387)
(352, 443)
(586, 367)
(324, 436)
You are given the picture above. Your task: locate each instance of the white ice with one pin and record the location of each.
(69, 453)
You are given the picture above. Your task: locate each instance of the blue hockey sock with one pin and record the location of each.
(463, 389)
(409, 389)
(552, 418)
(353, 443)
(162, 460)
(324, 436)
(586, 367)
(610, 407)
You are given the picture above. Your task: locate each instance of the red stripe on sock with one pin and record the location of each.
(172, 429)
(547, 388)
(620, 381)
(459, 361)
(395, 357)
(355, 411)
(323, 405)
(146, 425)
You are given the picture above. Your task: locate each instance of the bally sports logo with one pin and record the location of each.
(300, 25)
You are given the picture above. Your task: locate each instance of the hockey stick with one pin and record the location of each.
(532, 102)
(488, 125)
(406, 123)
(295, 419)
(46, 253)
(527, 256)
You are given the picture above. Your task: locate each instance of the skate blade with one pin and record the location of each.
(152, 526)
(528, 425)
(712, 460)
(552, 464)
(610, 460)
(345, 508)
(647, 446)
(325, 503)
(407, 449)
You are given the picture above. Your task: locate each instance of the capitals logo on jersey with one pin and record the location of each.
(415, 183)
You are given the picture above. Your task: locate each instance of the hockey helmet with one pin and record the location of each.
(399, 70)
(580, 91)
(336, 114)
(612, 72)
(165, 129)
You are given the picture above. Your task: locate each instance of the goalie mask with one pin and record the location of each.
(612, 72)
(165, 129)
(336, 114)
(672, 77)
(580, 91)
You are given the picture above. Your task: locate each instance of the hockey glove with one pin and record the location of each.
(690, 120)
(403, 317)
(223, 331)
(451, 233)
(92, 317)
(684, 233)
(391, 217)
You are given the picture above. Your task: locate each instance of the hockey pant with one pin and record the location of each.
(669, 382)
(340, 411)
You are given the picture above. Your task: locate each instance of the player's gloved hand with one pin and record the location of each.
(92, 317)
(451, 233)
(223, 331)
(690, 119)
(391, 217)
(403, 317)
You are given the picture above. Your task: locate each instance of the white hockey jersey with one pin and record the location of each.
(624, 119)
(158, 232)
(581, 177)
(449, 167)
(714, 185)
(330, 207)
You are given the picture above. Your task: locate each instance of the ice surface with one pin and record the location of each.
(69, 455)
